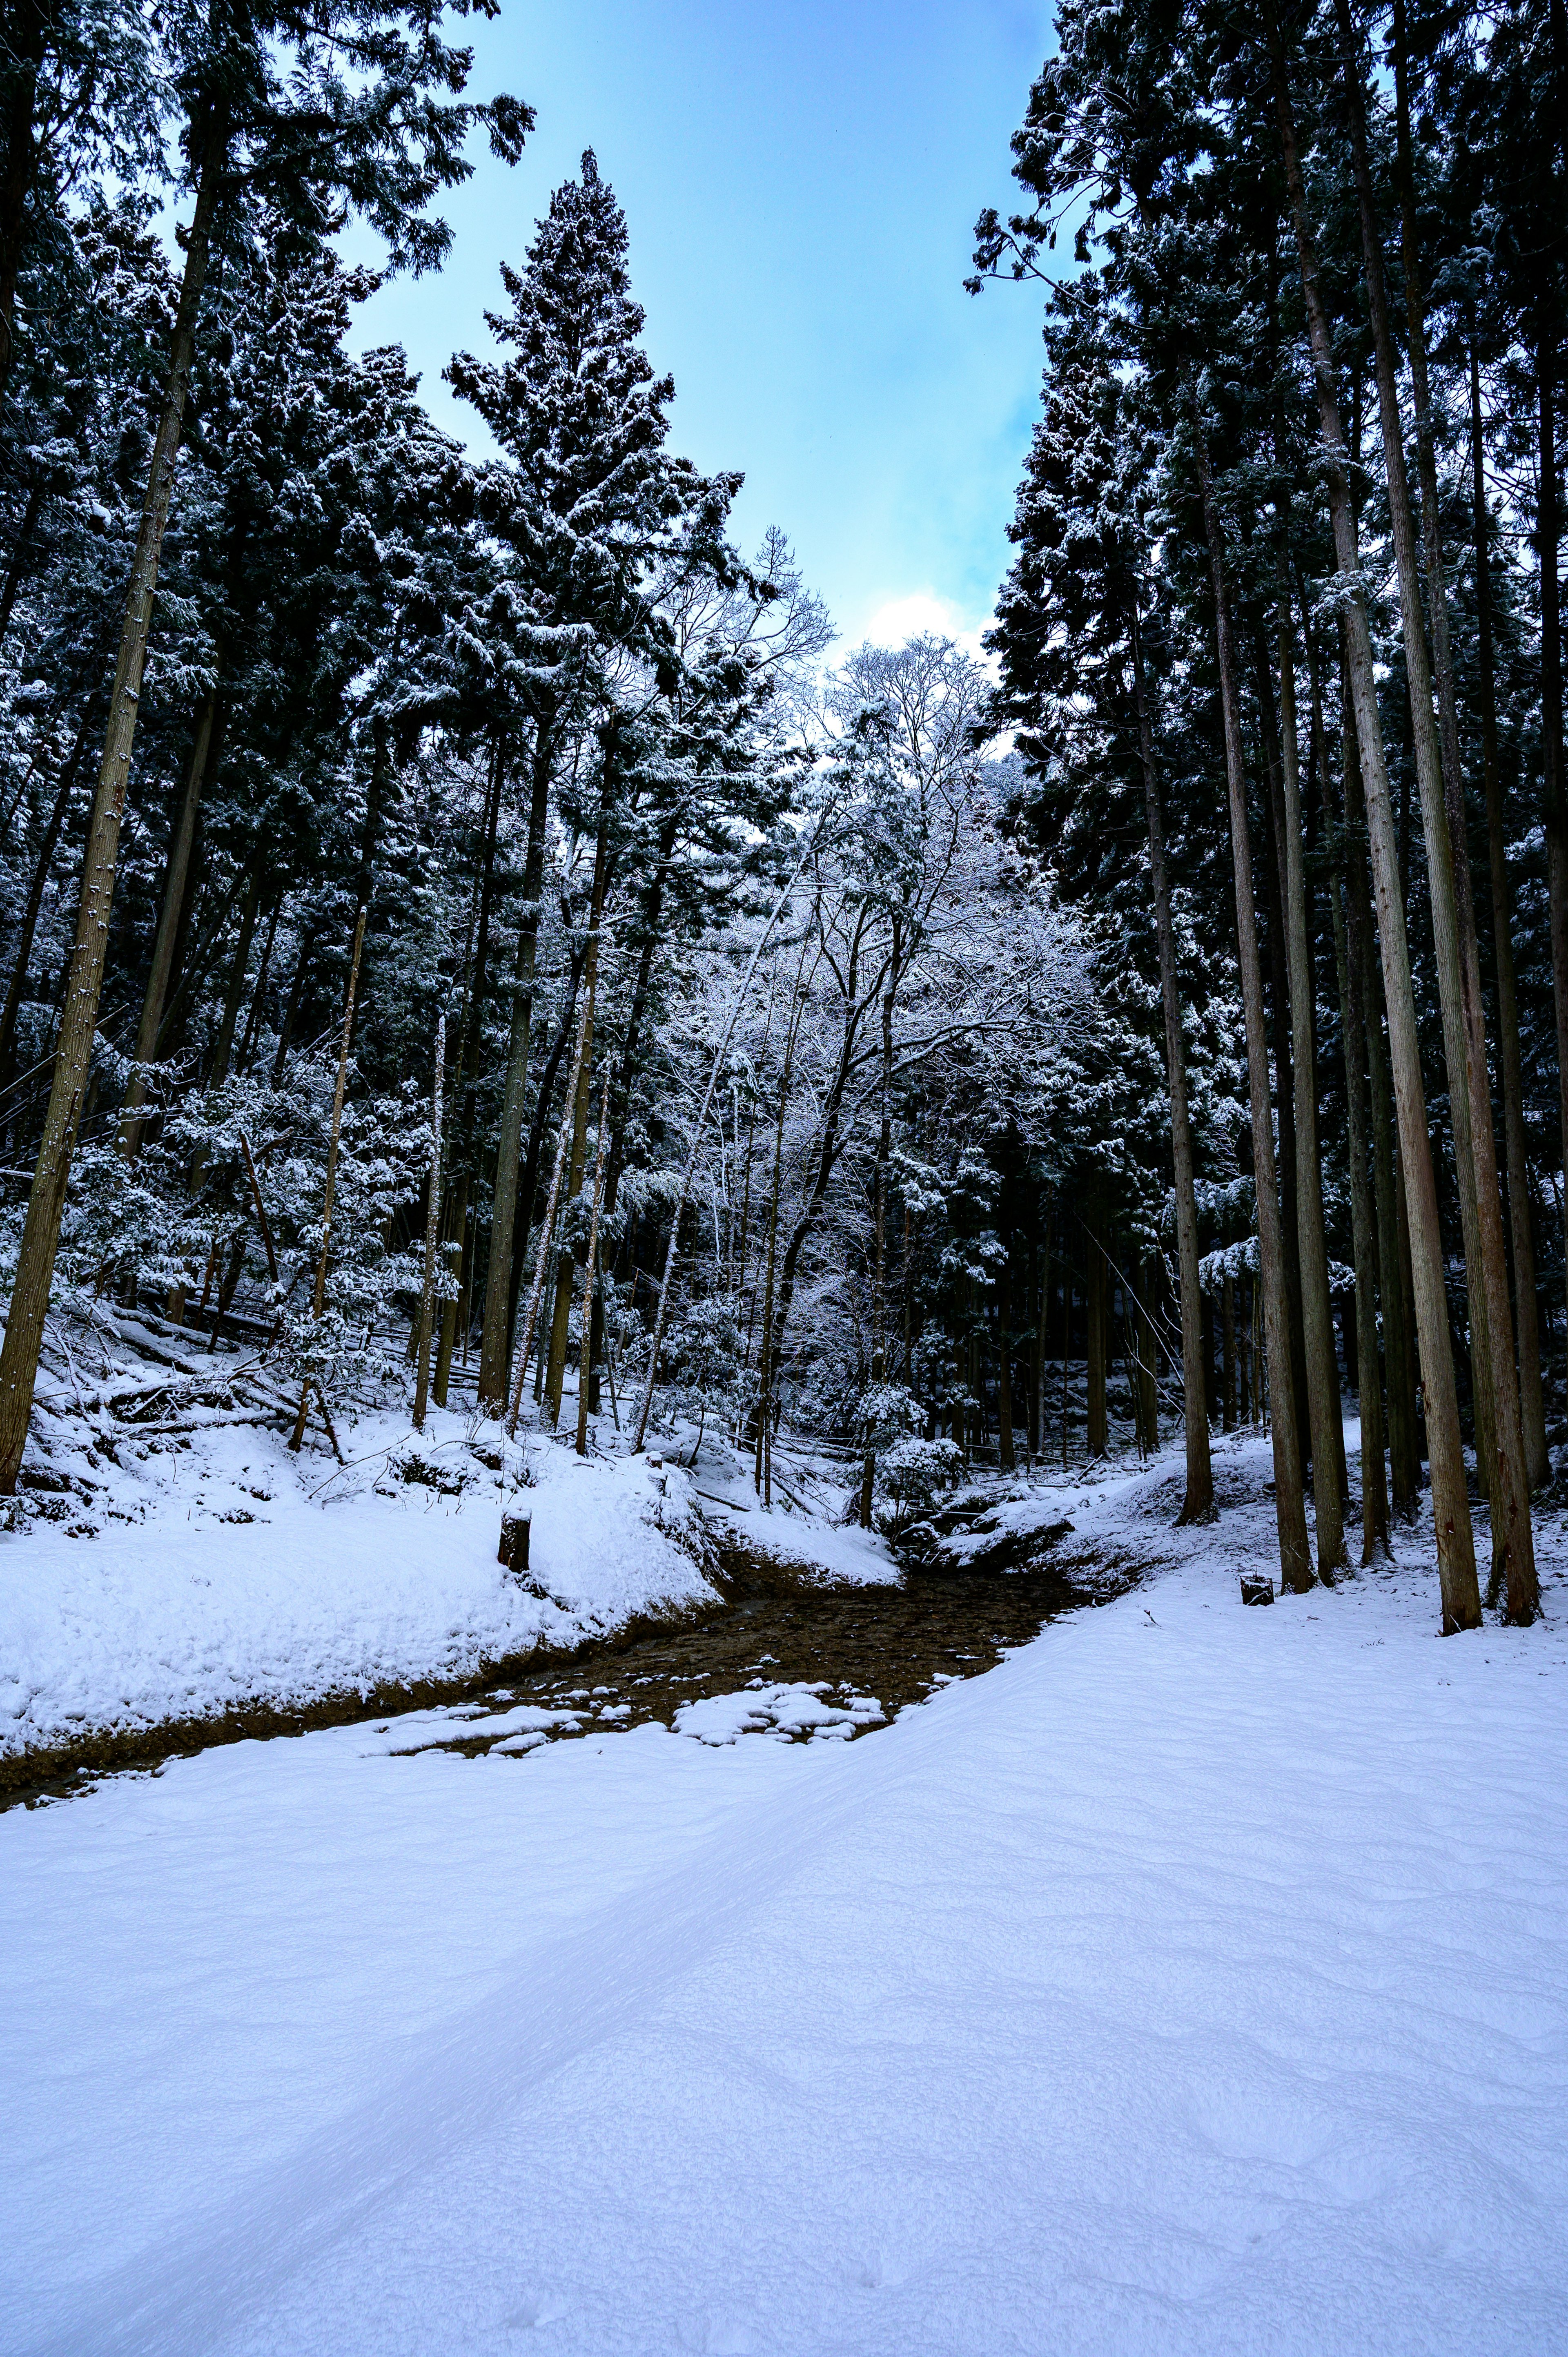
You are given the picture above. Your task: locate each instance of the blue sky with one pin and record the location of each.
(801, 185)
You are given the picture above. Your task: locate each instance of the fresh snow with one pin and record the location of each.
(233, 1573)
(1193, 1981)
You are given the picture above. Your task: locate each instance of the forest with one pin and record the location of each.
(683, 1227)
(472, 934)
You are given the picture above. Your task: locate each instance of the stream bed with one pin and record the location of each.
(791, 1655)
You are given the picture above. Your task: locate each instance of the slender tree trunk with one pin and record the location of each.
(1322, 1374)
(259, 995)
(1148, 1387)
(879, 1266)
(1554, 786)
(662, 1312)
(497, 1332)
(1198, 1505)
(1451, 1507)
(223, 1047)
(547, 1228)
(1277, 980)
(1096, 1337)
(1532, 1400)
(26, 40)
(765, 1368)
(318, 1297)
(464, 1125)
(590, 1263)
(1453, 916)
(34, 901)
(432, 1233)
(46, 1202)
(1353, 1029)
(1290, 1502)
(175, 902)
(1005, 1459)
(576, 1111)
(19, 550)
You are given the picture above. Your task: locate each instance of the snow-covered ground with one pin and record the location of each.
(194, 1567)
(1195, 1981)
(232, 1573)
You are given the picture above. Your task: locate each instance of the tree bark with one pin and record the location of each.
(496, 1332)
(1322, 1374)
(174, 903)
(1198, 1505)
(34, 903)
(1095, 1340)
(432, 1232)
(590, 1262)
(319, 1296)
(1290, 1502)
(560, 1322)
(1532, 1400)
(1461, 1598)
(1452, 915)
(463, 1127)
(46, 1201)
(1348, 966)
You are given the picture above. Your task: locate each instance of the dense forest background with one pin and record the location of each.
(467, 926)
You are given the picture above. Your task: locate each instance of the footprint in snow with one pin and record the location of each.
(539, 2309)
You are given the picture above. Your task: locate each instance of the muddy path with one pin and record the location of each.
(866, 1653)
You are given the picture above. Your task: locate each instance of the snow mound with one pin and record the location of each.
(784, 1711)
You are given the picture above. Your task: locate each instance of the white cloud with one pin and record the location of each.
(923, 610)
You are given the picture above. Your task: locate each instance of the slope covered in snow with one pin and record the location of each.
(1192, 1982)
(222, 1572)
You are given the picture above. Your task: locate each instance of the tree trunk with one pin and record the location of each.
(879, 1267)
(26, 43)
(1095, 1340)
(1322, 1374)
(46, 1201)
(173, 905)
(578, 1111)
(465, 1139)
(223, 1047)
(1005, 1459)
(318, 1297)
(590, 1262)
(1198, 1505)
(1451, 1507)
(1277, 981)
(496, 1333)
(1353, 1029)
(1290, 1502)
(1452, 917)
(259, 995)
(1554, 786)
(34, 903)
(1531, 1400)
(20, 546)
(432, 1232)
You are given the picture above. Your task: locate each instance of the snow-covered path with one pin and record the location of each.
(1193, 1980)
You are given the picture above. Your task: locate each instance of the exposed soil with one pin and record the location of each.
(783, 1626)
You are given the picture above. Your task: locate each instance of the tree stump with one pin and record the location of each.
(1257, 1591)
(514, 1549)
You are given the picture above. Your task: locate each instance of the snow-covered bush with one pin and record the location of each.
(705, 1356)
(912, 1477)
